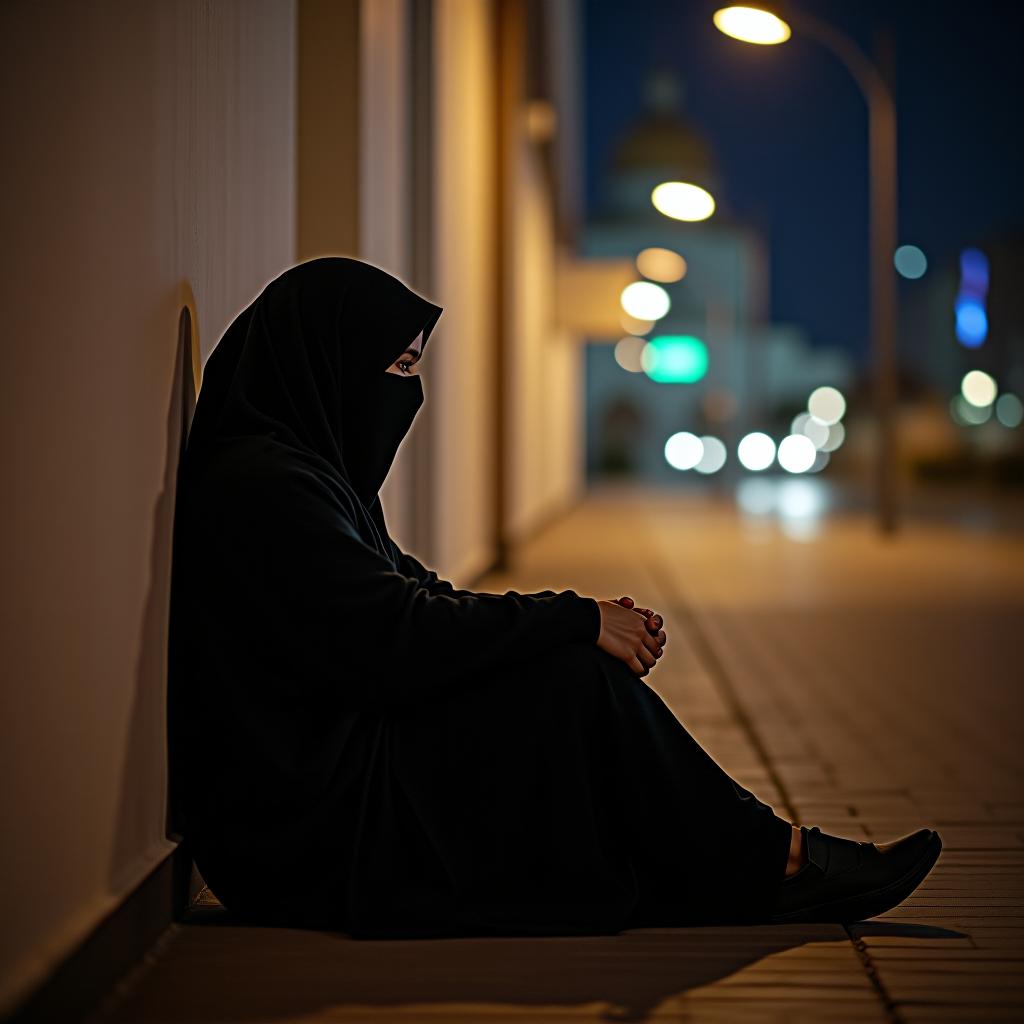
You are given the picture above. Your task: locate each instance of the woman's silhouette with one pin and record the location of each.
(358, 744)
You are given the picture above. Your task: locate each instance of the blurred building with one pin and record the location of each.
(756, 370)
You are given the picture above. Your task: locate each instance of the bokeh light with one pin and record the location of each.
(978, 388)
(796, 453)
(645, 301)
(683, 201)
(827, 404)
(836, 436)
(756, 496)
(683, 450)
(675, 359)
(966, 414)
(910, 262)
(821, 460)
(714, 455)
(631, 325)
(811, 427)
(756, 451)
(662, 265)
(971, 322)
(1009, 410)
(627, 353)
(751, 25)
(973, 272)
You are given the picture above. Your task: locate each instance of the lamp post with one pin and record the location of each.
(760, 25)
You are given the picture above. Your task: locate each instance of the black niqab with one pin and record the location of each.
(359, 744)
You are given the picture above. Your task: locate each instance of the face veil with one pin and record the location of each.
(305, 364)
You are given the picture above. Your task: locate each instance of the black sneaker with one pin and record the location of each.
(845, 880)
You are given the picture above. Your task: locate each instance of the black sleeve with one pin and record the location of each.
(411, 566)
(360, 619)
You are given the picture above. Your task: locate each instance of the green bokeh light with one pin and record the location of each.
(675, 359)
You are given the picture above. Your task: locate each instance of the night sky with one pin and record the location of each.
(789, 129)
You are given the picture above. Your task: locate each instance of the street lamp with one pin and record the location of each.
(759, 24)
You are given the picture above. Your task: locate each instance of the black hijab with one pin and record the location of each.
(305, 365)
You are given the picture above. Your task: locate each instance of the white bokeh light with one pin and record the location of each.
(1009, 410)
(756, 451)
(827, 404)
(836, 436)
(645, 301)
(813, 428)
(796, 453)
(714, 455)
(978, 388)
(684, 450)
(627, 353)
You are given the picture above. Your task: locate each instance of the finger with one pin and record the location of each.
(637, 667)
(651, 644)
(646, 657)
(662, 638)
(627, 601)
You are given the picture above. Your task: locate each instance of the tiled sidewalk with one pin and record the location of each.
(864, 687)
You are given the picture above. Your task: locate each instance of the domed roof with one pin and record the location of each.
(662, 145)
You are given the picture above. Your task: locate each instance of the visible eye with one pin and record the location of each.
(404, 365)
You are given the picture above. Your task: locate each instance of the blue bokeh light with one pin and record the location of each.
(973, 273)
(971, 322)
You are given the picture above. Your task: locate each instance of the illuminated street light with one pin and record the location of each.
(682, 201)
(751, 25)
(755, 24)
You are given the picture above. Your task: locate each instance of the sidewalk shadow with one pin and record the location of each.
(892, 929)
(273, 974)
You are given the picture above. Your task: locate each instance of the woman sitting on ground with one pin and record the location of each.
(358, 744)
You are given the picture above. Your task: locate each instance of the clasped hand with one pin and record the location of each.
(633, 635)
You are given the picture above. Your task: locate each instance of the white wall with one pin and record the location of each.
(543, 369)
(458, 371)
(385, 235)
(147, 145)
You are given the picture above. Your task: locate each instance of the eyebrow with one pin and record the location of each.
(413, 352)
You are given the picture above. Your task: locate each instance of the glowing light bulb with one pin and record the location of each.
(683, 201)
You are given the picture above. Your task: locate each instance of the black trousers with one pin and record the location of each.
(558, 796)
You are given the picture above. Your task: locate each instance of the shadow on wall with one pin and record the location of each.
(140, 830)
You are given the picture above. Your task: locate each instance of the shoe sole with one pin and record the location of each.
(869, 904)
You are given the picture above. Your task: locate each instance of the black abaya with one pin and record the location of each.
(358, 744)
